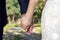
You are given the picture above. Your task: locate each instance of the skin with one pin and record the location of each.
(26, 20)
(29, 28)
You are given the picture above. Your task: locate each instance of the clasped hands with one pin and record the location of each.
(27, 24)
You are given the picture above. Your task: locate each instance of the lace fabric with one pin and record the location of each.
(50, 21)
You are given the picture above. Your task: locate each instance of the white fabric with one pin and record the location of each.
(50, 21)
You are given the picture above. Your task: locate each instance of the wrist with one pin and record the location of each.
(22, 15)
(28, 18)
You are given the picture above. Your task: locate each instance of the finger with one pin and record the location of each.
(31, 29)
(28, 31)
(23, 26)
(32, 26)
(27, 28)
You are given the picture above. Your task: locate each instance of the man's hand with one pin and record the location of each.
(27, 24)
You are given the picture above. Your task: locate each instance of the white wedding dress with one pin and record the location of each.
(50, 21)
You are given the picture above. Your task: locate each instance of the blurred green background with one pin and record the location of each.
(13, 13)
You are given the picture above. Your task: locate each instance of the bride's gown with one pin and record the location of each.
(50, 21)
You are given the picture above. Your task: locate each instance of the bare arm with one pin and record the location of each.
(31, 7)
(25, 23)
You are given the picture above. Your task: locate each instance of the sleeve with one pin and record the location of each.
(3, 15)
(23, 5)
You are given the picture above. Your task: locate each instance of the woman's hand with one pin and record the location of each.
(29, 29)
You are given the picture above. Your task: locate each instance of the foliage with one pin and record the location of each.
(10, 25)
(13, 10)
(38, 11)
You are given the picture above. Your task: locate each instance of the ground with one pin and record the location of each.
(18, 34)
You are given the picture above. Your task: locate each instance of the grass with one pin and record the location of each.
(10, 25)
(37, 27)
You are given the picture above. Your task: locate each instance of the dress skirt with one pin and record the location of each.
(50, 21)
